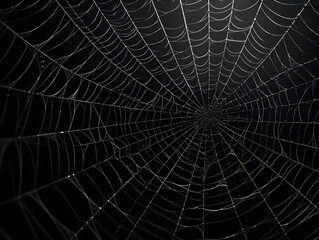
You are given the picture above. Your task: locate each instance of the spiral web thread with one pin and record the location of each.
(159, 119)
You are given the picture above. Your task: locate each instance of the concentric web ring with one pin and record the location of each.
(177, 119)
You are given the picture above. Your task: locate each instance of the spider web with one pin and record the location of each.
(187, 119)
